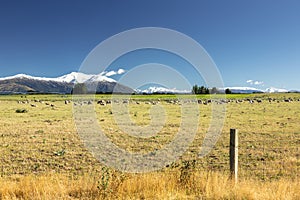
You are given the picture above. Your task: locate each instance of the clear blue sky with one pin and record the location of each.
(257, 40)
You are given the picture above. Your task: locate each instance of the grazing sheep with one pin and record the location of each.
(224, 101)
(33, 105)
(116, 101)
(101, 102)
(153, 102)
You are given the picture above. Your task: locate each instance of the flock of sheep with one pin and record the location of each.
(33, 103)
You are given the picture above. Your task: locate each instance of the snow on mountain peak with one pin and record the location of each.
(275, 90)
(100, 78)
(242, 88)
(73, 77)
(25, 76)
(154, 89)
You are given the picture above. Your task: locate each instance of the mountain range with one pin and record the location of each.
(236, 90)
(248, 90)
(22, 83)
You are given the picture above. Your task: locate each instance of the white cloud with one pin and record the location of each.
(252, 82)
(258, 83)
(112, 73)
(121, 71)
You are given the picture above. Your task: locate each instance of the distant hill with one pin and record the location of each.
(242, 90)
(250, 90)
(22, 83)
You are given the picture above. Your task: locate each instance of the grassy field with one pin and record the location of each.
(42, 156)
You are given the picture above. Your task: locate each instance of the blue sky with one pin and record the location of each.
(248, 40)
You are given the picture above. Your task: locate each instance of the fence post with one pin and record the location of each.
(233, 152)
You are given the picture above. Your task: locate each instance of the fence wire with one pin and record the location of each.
(264, 159)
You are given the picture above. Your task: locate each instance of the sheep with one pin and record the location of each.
(100, 102)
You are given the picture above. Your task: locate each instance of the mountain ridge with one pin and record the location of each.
(69, 78)
(96, 83)
(22, 83)
(236, 90)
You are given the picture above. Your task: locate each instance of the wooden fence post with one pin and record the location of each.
(233, 152)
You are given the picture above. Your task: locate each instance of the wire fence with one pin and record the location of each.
(264, 158)
(270, 158)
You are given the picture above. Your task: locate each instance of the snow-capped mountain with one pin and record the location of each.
(21, 76)
(246, 90)
(78, 77)
(275, 90)
(99, 83)
(162, 90)
(242, 90)
(73, 77)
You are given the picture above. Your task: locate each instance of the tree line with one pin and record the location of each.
(81, 88)
(204, 90)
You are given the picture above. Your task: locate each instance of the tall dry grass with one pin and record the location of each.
(30, 143)
(157, 185)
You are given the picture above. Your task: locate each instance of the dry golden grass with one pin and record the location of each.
(42, 156)
(204, 185)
